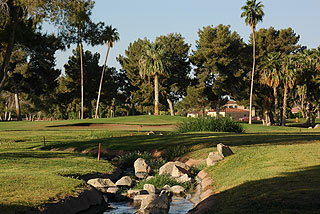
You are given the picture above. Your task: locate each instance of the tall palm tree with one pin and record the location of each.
(253, 13)
(288, 78)
(109, 35)
(270, 76)
(152, 64)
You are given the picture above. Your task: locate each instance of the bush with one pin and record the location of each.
(210, 124)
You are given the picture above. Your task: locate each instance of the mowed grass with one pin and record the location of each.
(272, 169)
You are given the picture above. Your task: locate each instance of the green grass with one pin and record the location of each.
(269, 179)
(274, 169)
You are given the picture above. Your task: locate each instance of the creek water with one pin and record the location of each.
(178, 205)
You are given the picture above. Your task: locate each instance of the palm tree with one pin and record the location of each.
(270, 76)
(288, 78)
(109, 35)
(253, 14)
(152, 64)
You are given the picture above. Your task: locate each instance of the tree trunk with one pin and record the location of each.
(81, 68)
(101, 80)
(16, 97)
(218, 107)
(313, 118)
(252, 75)
(9, 49)
(156, 95)
(170, 106)
(308, 113)
(284, 109)
(276, 109)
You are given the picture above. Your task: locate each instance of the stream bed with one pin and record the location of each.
(178, 205)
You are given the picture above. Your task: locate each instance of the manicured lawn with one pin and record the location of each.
(273, 169)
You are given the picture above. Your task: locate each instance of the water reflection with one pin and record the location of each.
(178, 206)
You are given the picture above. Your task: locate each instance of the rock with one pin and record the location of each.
(177, 190)
(101, 184)
(175, 169)
(206, 194)
(149, 177)
(156, 205)
(206, 184)
(150, 188)
(138, 199)
(213, 158)
(166, 187)
(193, 162)
(150, 133)
(224, 150)
(317, 126)
(124, 181)
(112, 190)
(134, 192)
(141, 168)
(310, 127)
(184, 178)
(202, 175)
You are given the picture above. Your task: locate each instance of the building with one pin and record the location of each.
(233, 110)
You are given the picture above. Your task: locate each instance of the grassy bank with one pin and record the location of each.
(272, 169)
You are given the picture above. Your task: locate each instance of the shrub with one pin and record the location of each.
(220, 124)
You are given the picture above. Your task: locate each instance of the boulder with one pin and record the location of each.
(124, 181)
(134, 192)
(156, 205)
(184, 178)
(101, 184)
(177, 190)
(213, 158)
(150, 188)
(166, 187)
(224, 150)
(112, 190)
(141, 168)
(174, 169)
(139, 199)
(317, 126)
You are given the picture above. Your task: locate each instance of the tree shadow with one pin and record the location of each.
(201, 140)
(294, 192)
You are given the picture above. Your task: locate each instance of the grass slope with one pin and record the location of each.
(274, 170)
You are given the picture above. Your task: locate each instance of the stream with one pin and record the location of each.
(178, 205)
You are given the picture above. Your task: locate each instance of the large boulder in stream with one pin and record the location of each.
(154, 204)
(141, 168)
(125, 181)
(101, 184)
(174, 169)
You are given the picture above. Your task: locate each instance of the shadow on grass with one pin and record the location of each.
(296, 192)
(16, 209)
(38, 155)
(201, 140)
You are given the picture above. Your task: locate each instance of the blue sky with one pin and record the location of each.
(149, 18)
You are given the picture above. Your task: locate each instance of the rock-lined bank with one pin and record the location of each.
(105, 188)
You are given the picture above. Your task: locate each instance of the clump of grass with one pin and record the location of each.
(127, 160)
(175, 151)
(197, 168)
(160, 181)
(220, 124)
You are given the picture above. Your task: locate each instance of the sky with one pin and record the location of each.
(136, 19)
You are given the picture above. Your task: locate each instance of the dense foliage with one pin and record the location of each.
(209, 124)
